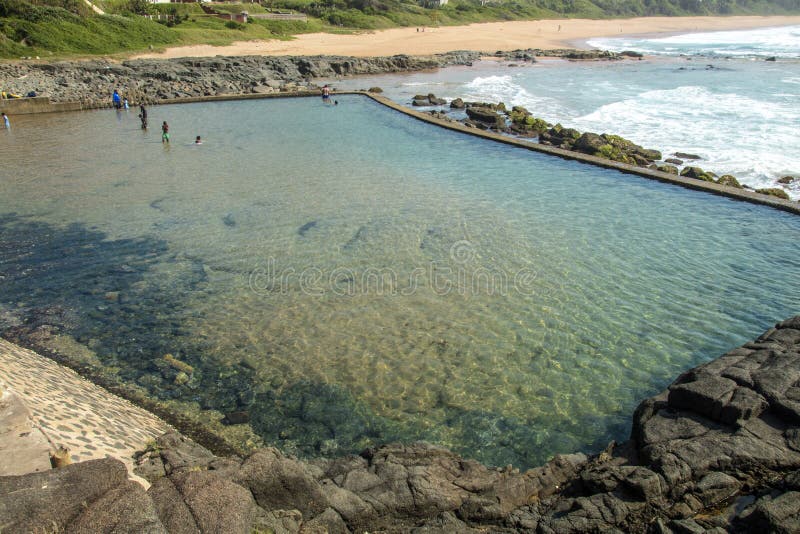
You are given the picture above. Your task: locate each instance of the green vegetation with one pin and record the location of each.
(69, 27)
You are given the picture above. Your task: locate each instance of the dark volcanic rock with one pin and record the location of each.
(94, 495)
(149, 80)
(281, 483)
(487, 116)
(203, 501)
(718, 451)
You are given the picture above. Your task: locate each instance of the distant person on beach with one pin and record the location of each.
(198, 141)
(143, 116)
(165, 132)
(6, 122)
(116, 99)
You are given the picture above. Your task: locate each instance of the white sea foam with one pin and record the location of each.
(781, 42)
(506, 89)
(416, 84)
(697, 120)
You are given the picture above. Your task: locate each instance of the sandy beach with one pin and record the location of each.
(545, 34)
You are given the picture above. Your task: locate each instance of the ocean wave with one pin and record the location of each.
(416, 84)
(780, 42)
(506, 89)
(733, 134)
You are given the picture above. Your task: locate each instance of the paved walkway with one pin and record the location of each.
(70, 411)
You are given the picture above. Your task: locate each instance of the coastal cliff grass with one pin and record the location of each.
(69, 28)
(28, 29)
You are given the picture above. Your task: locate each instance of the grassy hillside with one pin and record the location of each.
(51, 28)
(66, 27)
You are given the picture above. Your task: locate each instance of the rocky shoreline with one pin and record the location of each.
(148, 81)
(718, 451)
(151, 80)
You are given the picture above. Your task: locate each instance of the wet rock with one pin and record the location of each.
(457, 103)
(774, 192)
(236, 418)
(671, 169)
(787, 179)
(589, 143)
(685, 155)
(697, 173)
(730, 181)
(428, 100)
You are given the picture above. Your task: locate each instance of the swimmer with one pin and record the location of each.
(198, 141)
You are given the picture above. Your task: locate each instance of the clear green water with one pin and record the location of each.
(351, 276)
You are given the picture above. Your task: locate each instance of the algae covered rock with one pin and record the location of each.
(670, 169)
(774, 192)
(487, 116)
(787, 179)
(729, 180)
(523, 122)
(697, 173)
(457, 103)
(374, 90)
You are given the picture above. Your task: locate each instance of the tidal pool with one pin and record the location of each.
(350, 276)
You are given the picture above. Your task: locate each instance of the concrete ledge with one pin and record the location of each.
(36, 104)
(690, 183)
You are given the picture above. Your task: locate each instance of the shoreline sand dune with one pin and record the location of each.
(491, 36)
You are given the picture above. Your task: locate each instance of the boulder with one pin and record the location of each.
(589, 143)
(787, 179)
(487, 116)
(88, 493)
(202, 501)
(374, 90)
(670, 169)
(730, 181)
(279, 483)
(697, 173)
(685, 155)
(457, 104)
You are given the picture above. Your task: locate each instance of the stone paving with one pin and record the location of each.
(73, 412)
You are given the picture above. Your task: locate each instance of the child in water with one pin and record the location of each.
(197, 141)
(165, 132)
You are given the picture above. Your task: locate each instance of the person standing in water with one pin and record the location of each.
(116, 100)
(326, 93)
(165, 132)
(143, 116)
(6, 122)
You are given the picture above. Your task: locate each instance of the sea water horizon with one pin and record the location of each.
(712, 94)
